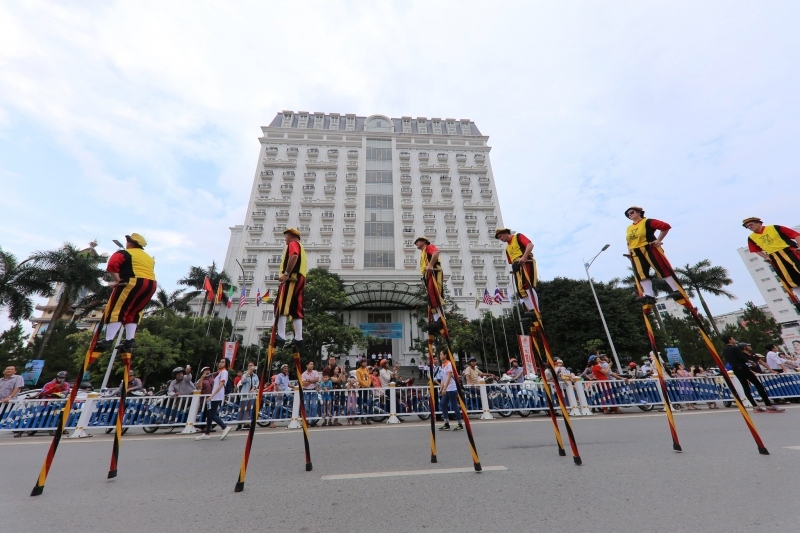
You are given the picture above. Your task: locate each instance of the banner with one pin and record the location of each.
(526, 353)
(791, 340)
(674, 356)
(33, 369)
(383, 330)
(229, 350)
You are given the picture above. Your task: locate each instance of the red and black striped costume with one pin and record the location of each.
(137, 287)
(289, 301)
(780, 245)
(433, 281)
(645, 256)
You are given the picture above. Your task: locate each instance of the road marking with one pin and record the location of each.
(411, 473)
(792, 447)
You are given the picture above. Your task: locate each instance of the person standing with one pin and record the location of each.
(431, 269)
(216, 399)
(293, 270)
(10, 385)
(282, 387)
(364, 382)
(646, 253)
(134, 283)
(779, 246)
(448, 392)
(310, 385)
(738, 361)
(248, 384)
(519, 254)
(182, 384)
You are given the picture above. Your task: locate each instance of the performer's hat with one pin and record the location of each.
(634, 208)
(137, 239)
(423, 239)
(292, 231)
(746, 221)
(500, 231)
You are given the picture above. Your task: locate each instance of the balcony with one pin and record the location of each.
(278, 230)
(271, 162)
(259, 214)
(408, 245)
(274, 261)
(271, 150)
(350, 202)
(331, 176)
(326, 230)
(464, 180)
(351, 189)
(491, 219)
(305, 215)
(349, 230)
(445, 180)
(447, 191)
(466, 192)
(348, 262)
(457, 280)
(455, 261)
(471, 219)
(282, 215)
(405, 155)
(352, 165)
(309, 189)
(409, 263)
(408, 230)
(450, 217)
(499, 263)
(349, 246)
(427, 191)
(256, 228)
(285, 201)
(323, 263)
(329, 189)
(430, 230)
(480, 279)
(406, 191)
(483, 180)
(265, 188)
(491, 231)
(405, 178)
(288, 175)
(441, 156)
(407, 202)
(451, 231)
(327, 215)
(486, 193)
(480, 262)
(267, 174)
(312, 152)
(350, 217)
(480, 158)
(249, 261)
(304, 230)
(408, 217)
(423, 156)
(262, 200)
(333, 153)
(461, 158)
(473, 233)
(292, 151)
(310, 176)
(425, 179)
(350, 178)
(352, 154)
(271, 277)
(429, 216)
(245, 279)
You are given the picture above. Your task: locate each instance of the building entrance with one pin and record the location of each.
(379, 346)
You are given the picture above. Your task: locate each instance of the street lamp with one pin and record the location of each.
(602, 318)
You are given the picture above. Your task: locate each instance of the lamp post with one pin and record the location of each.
(602, 318)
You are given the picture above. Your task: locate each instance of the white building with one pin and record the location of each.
(360, 190)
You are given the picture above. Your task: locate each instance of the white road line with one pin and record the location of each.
(411, 473)
(792, 447)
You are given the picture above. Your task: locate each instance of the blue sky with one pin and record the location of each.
(144, 116)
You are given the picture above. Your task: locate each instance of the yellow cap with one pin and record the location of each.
(138, 239)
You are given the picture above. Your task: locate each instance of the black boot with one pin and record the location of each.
(279, 342)
(295, 345)
(529, 314)
(675, 295)
(103, 345)
(434, 327)
(128, 345)
(644, 300)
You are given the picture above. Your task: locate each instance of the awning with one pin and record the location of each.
(384, 295)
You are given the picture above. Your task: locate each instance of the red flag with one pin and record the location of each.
(209, 289)
(219, 293)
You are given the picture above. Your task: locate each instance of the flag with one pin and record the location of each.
(487, 298)
(477, 302)
(231, 292)
(498, 296)
(243, 298)
(265, 298)
(258, 297)
(209, 289)
(219, 293)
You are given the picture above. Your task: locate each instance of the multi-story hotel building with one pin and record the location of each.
(361, 190)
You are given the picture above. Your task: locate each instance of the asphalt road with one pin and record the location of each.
(631, 480)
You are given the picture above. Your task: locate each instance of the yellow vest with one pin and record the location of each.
(423, 261)
(769, 240)
(513, 249)
(637, 234)
(143, 265)
(300, 267)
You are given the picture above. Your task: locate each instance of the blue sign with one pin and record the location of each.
(33, 369)
(384, 330)
(674, 356)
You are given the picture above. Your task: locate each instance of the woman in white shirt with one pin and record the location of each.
(215, 400)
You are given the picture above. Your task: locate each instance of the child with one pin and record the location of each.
(352, 385)
(325, 387)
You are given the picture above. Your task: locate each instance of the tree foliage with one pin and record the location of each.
(702, 277)
(18, 282)
(12, 348)
(196, 279)
(756, 328)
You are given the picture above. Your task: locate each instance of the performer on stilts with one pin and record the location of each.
(779, 246)
(519, 253)
(431, 270)
(645, 249)
(293, 270)
(134, 285)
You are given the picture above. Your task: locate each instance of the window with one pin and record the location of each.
(759, 269)
(319, 118)
(451, 128)
(379, 318)
(378, 259)
(772, 289)
(287, 120)
(379, 176)
(465, 128)
(378, 229)
(266, 316)
(379, 154)
(242, 315)
(422, 127)
(350, 123)
(778, 300)
(379, 124)
(334, 124)
(302, 121)
(379, 201)
(458, 292)
(247, 293)
(406, 125)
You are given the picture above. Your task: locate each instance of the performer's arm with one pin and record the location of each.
(756, 249)
(526, 255)
(289, 266)
(433, 260)
(662, 227)
(113, 266)
(789, 233)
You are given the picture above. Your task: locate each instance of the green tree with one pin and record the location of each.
(702, 277)
(57, 354)
(756, 328)
(174, 302)
(196, 278)
(18, 282)
(12, 348)
(685, 335)
(75, 270)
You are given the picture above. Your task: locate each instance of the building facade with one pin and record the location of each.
(361, 190)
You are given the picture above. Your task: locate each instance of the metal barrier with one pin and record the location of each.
(392, 404)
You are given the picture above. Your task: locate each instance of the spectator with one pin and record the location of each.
(181, 385)
(216, 398)
(347, 366)
(325, 388)
(776, 362)
(699, 372)
(187, 372)
(134, 383)
(646, 370)
(601, 373)
(375, 378)
(448, 391)
(10, 385)
(206, 382)
(364, 382)
(473, 373)
(56, 388)
(281, 400)
(389, 358)
(436, 372)
(237, 379)
(339, 382)
(248, 384)
(734, 355)
(310, 380)
(685, 386)
(352, 400)
(516, 373)
(373, 357)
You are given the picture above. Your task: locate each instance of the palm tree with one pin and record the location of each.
(659, 286)
(74, 270)
(18, 283)
(196, 278)
(703, 277)
(173, 302)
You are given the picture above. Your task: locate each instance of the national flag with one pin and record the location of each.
(265, 298)
(209, 289)
(219, 293)
(498, 296)
(258, 297)
(477, 302)
(243, 298)
(231, 292)
(487, 298)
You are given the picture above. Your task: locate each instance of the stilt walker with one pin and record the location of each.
(645, 250)
(123, 393)
(647, 308)
(519, 253)
(431, 390)
(433, 278)
(780, 247)
(289, 302)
